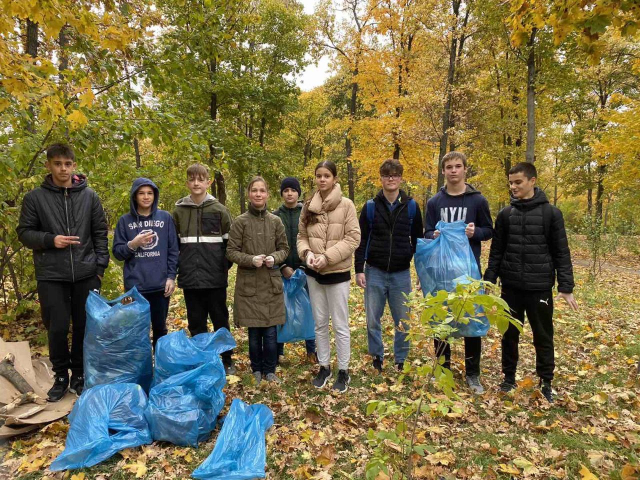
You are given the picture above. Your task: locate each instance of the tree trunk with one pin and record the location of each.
(530, 154)
(602, 170)
(136, 148)
(241, 195)
(446, 115)
(353, 104)
(32, 50)
(263, 126)
(221, 188)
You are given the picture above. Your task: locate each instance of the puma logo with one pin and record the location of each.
(546, 302)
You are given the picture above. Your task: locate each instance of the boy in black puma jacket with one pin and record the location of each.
(529, 250)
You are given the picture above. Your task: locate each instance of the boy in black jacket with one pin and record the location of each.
(391, 224)
(459, 201)
(528, 251)
(64, 223)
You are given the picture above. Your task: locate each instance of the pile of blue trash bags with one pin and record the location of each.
(444, 263)
(127, 403)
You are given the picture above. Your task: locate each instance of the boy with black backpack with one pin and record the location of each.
(529, 250)
(391, 224)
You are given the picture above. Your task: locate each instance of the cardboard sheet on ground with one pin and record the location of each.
(37, 372)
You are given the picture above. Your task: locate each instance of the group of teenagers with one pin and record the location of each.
(64, 223)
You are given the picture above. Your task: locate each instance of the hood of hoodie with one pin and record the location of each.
(469, 190)
(188, 201)
(78, 182)
(142, 182)
(539, 198)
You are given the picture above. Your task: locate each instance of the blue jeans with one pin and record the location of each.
(382, 287)
(263, 349)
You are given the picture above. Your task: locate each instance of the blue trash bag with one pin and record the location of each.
(183, 408)
(117, 348)
(445, 262)
(104, 420)
(240, 452)
(177, 353)
(299, 324)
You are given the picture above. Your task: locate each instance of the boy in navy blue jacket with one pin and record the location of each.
(457, 201)
(146, 240)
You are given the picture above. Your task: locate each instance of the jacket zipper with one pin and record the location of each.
(66, 212)
(522, 244)
(393, 225)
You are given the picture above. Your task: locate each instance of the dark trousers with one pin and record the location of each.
(207, 302)
(472, 353)
(159, 309)
(263, 349)
(63, 304)
(539, 309)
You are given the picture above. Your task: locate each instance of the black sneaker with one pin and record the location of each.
(342, 383)
(547, 391)
(77, 384)
(400, 366)
(322, 378)
(508, 385)
(377, 363)
(59, 389)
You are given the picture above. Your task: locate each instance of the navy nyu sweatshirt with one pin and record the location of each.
(148, 267)
(470, 207)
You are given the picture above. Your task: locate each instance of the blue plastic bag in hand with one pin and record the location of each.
(104, 420)
(299, 324)
(240, 452)
(117, 348)
(183, 408)
(177, 353)
(445, 262)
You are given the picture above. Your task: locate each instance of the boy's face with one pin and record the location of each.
(290, 197)
(144, 197)
(454, 171)
(391, 182)
(61, 169)
(198, 185)
(521, 186)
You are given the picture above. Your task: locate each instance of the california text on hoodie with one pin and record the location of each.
(147, 267)
(470, 207)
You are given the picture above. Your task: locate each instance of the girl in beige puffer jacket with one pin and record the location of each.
(328, 235)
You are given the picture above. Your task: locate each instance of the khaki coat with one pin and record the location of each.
(258, 298)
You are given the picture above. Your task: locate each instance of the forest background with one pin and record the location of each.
(146, 88)
(143, 88)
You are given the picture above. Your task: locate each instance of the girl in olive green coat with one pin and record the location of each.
(258, 244)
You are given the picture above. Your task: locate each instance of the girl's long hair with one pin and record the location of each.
(310, 218)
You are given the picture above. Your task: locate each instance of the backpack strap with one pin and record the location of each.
(412, 206)
(371, 211)
(547, 217)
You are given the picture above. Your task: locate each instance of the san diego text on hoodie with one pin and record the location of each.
(148, 267)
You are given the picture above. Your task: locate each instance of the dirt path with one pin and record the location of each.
(607, 266)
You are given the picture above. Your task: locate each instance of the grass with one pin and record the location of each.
(318, 434)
